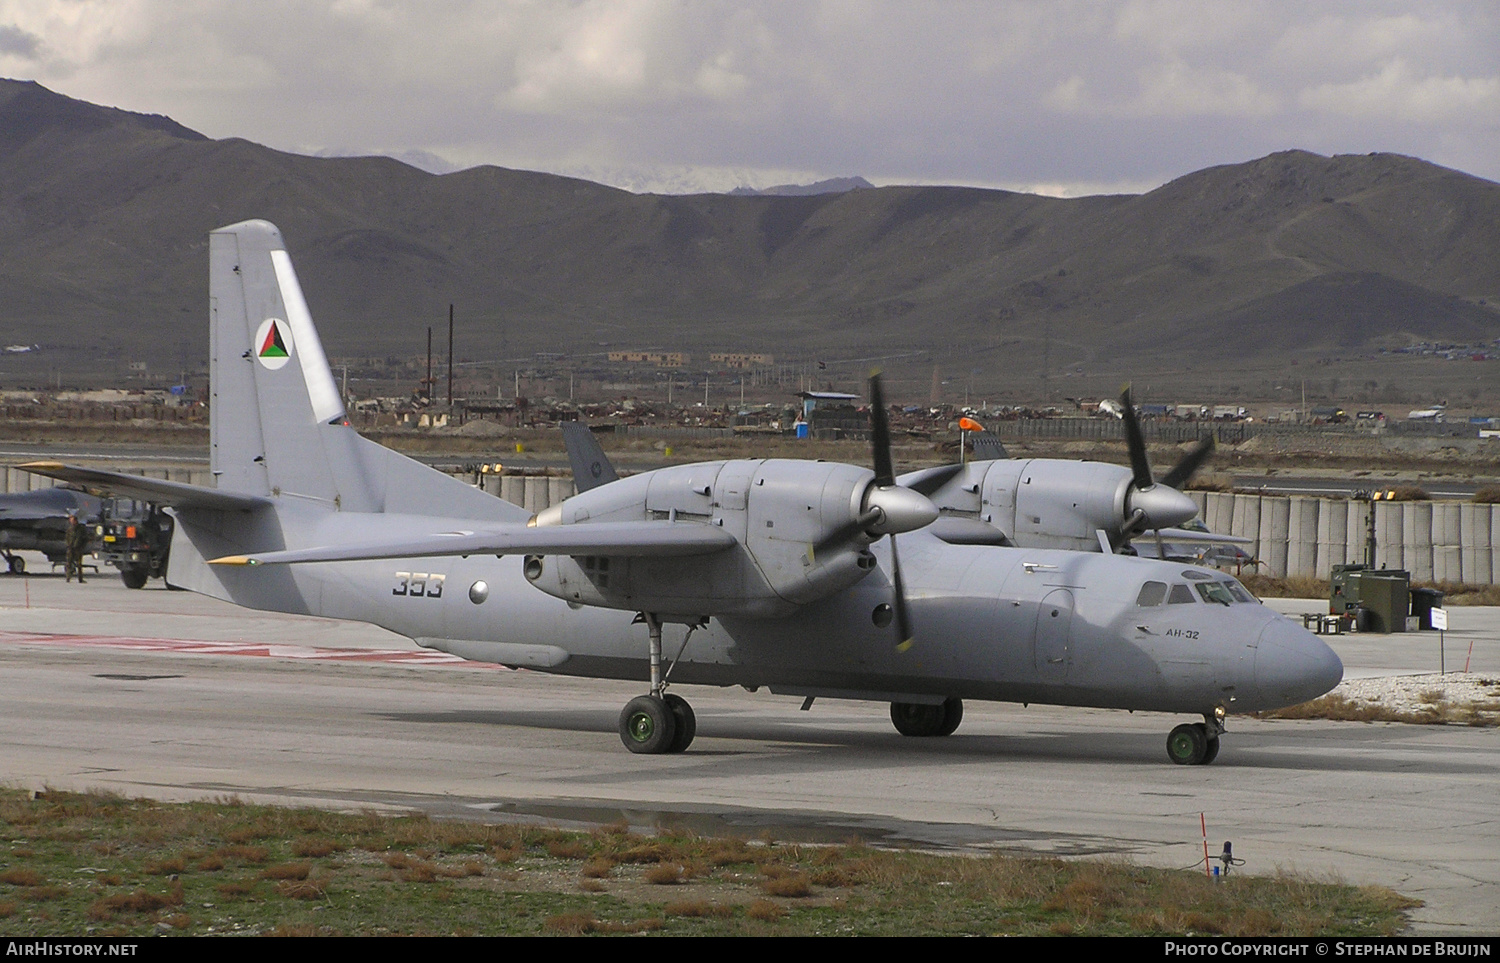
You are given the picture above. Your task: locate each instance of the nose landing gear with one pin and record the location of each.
(1196, 743)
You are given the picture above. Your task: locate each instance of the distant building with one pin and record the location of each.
(732, 360)
(662, 359)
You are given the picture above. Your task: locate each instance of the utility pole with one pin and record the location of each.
(450, 355)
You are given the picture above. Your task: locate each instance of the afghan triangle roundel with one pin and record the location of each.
(273, 343)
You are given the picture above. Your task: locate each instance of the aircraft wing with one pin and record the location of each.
(1200, 538)
(634, 539)
(159, 491)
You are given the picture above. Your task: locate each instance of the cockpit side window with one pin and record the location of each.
(1181, 595)
(1152, 593)
(1238, 591)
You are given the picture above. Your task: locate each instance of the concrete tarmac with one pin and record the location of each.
(174, 696)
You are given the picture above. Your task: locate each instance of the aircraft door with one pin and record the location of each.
(1053, 637)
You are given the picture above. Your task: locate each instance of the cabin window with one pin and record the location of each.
(1181, 595)
(1152, 593)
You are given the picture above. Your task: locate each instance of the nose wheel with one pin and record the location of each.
(921, 721)
(1193, 744)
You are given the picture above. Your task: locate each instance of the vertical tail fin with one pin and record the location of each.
(273, 393)
(278, 422)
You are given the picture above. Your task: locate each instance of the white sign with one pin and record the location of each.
(1440, 619)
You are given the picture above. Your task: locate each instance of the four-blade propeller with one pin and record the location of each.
(901, 509)
(1153, 504)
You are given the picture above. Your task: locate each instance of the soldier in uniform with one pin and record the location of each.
(78, 542)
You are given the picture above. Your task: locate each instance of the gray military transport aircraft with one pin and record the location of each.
(758, 572)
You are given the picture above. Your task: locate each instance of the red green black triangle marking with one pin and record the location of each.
(273, 347)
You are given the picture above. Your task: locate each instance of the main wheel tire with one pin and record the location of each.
(134, 577)
(683, 719)
(918, 720)
(647, 725)
(1188, 744)
(953, 714)
(1212, 752)
(17, 565)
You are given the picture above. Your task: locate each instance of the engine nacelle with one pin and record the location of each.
(1041, 502)
(779, 511)
(1053, 503)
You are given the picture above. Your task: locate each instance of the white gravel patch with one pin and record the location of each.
(1413, 693)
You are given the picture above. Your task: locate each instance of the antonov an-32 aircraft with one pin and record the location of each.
(758, 572)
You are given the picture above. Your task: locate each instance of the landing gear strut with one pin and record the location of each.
(657, 722)
(16, 563)
(1196, 743)
(920, 720)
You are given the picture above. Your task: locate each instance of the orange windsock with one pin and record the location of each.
(969, 424)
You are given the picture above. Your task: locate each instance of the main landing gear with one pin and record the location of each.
(658, 722)
(1196, 743)
(918, 719)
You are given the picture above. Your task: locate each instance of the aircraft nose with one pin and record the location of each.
(1293, 666)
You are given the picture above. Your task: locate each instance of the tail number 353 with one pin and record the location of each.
(419, 584)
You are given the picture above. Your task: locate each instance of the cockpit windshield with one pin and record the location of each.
(1225, 593)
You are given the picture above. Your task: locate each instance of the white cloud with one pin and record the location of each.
(1072, 92)
(1397, 92)
(1173, 89)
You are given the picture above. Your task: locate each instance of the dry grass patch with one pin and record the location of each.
(787, 885)
(697, 908)
(303, 888)
(664, 874)
(315, 847)
(599, 867)
(765, 911)
(22, 876)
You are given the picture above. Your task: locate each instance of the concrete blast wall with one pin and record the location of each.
(1437, 541)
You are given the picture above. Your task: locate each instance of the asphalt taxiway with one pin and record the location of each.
(174, 696)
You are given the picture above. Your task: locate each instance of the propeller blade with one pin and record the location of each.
(934, 478)
(1188, 466)
(1136, 442)
(880, 435)
(904, 635)
(846, 532)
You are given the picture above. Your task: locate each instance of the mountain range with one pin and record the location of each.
(105, 213)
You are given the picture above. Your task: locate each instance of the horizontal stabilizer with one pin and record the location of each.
(176, 494)
(1201, 538)
(634, 539)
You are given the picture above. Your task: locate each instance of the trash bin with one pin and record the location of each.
(1423, 601)
(1387, 594)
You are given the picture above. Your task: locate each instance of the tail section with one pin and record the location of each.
(278, 422)
(269, 377)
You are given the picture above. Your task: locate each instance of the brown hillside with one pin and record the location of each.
(102, 251)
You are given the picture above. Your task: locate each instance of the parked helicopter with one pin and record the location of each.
(779, 573)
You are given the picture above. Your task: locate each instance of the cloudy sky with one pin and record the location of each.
(1059, 97)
